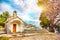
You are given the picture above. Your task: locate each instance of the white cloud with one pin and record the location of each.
(29, 6)
(6, 7)
(20, 3)
(25, 17)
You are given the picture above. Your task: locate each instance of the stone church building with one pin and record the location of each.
(14, 24)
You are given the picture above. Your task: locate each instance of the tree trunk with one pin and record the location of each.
(51, 29)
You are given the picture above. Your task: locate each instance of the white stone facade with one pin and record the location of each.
(19, 24)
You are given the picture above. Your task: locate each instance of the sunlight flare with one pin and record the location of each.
(41, 9)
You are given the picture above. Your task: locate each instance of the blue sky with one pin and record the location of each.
(27, 10)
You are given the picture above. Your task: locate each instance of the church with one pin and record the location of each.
(14, 24)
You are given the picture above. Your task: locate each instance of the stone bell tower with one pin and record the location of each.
(14, 14)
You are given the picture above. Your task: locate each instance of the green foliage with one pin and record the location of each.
(4, 38)
(2, 20)
(3, 17)
(44, 21)
(6, 14)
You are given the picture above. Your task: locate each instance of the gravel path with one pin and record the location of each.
(38, 37)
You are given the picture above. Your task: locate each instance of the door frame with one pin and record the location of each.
(14, 28)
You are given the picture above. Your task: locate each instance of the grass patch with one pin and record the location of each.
(4, 38)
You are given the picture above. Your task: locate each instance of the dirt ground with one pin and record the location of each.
(38, 37)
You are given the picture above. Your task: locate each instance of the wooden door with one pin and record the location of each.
(14, 28)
